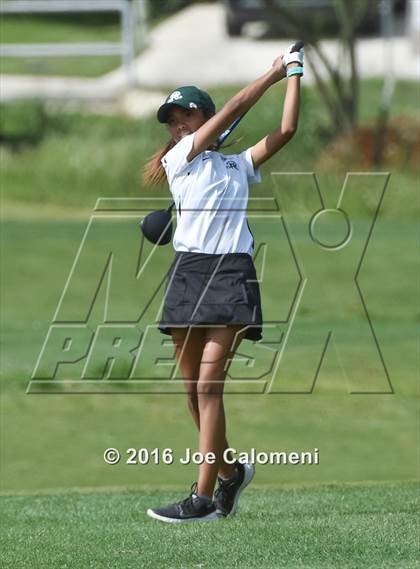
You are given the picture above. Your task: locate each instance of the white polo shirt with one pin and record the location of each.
(211, 197)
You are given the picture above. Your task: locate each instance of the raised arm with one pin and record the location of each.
(272, 143)
(207, 134)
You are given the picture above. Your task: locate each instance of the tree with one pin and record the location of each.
(340, 93)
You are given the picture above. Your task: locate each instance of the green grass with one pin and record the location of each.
(83, 157)
(49, 248)
(71, 432)
(350, 527)
(58, 441)
(63, 66)
(60, 29)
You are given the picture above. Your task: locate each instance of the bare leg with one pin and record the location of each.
(220, 346)
(189, 345)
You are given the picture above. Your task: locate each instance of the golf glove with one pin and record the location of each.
(294, 53)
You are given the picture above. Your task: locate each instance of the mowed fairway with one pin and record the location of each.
(334, 526)
(39, 258)
(63, 436)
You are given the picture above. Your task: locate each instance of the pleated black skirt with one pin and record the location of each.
(203, 288)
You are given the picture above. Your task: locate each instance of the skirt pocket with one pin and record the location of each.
(252, 292)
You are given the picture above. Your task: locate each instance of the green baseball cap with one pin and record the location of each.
(188, 97)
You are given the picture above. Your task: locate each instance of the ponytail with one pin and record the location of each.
(153, 172)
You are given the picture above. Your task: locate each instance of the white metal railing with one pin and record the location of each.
(129, 13)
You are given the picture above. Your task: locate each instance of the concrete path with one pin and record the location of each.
(193, 48)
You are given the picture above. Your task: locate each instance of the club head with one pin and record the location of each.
(157, 226)
(297, 46)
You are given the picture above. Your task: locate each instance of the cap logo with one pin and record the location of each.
(175, 96)
(193, 106)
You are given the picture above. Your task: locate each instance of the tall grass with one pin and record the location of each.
(70, 159)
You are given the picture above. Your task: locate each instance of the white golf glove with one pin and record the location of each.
(294, 53)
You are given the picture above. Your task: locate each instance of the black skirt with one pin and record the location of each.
(203, 288)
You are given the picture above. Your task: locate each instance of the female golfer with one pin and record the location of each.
(212, 297)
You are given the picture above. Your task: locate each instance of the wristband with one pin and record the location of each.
(295, 71)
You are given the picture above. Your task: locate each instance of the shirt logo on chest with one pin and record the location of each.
(231, 164)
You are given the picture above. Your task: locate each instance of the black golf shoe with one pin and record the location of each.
(226, 496)
(192, 509)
